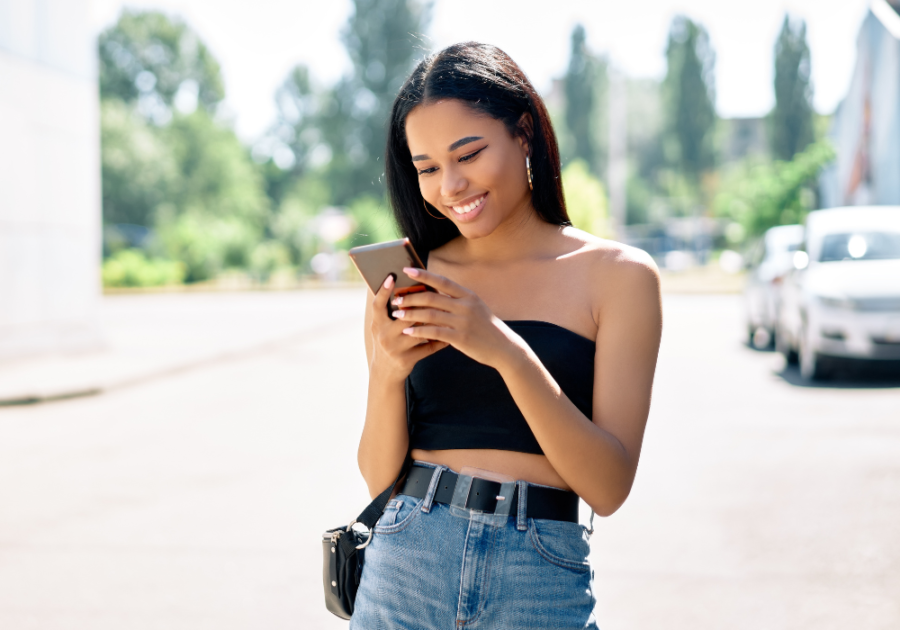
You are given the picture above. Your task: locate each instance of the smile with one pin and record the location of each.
(468, 208)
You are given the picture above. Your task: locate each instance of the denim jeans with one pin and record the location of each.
(437, 566)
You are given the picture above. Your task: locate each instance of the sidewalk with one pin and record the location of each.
(152, 335)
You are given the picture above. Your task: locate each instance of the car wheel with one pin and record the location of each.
(813, 366)
(783, 347)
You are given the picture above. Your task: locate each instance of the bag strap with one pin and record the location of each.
(372, 513)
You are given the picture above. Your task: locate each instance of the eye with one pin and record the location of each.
(427, 171)
(470, 156)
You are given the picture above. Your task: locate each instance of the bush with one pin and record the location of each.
(585, 199)
(130, 268)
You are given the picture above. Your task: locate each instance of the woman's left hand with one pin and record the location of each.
(456, 316)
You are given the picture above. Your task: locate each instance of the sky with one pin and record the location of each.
(258, 42)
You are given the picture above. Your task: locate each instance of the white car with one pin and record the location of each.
(842, 300)
(770, 260)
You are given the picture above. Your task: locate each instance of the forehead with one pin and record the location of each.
(435, 126)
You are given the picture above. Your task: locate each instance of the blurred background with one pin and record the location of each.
(180, 350)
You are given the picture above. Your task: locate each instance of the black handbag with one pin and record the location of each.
(344, 549)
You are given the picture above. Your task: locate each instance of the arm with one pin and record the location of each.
(391, 356)
(598, 459)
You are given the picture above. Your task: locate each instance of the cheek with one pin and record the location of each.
(430, 187)
(499, 174)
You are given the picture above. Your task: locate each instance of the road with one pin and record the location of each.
(197, 500)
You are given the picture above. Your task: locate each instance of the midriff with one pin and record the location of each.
(524, 466)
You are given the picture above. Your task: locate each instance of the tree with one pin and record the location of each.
(689, 98)
(761, 194)
(217, 210)
(582, 99)
(158, 62)
(791, 120)
(585, 199)
(381, 38)
(137, 167)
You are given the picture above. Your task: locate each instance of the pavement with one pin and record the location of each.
(196, 498)
(151, 335)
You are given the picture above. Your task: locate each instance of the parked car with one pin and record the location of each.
(768, 262)
(842, 300)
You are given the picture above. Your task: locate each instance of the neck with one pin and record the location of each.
(522, 235)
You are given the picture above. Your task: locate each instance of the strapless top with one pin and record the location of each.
(455, 402)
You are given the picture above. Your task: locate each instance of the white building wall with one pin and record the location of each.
(874, 142)
(49, 177)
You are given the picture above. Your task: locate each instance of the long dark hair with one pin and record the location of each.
(492, 84)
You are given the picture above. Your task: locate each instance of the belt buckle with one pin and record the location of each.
(463, 488)
(504, 499)
(461, 491)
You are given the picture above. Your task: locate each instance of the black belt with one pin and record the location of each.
(484, 495)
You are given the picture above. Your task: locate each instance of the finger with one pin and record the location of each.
(434, 333)
(426, 349)
(379, 303)
(425, 299)
(435, 281)
(426, 316)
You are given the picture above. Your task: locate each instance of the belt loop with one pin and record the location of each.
(432, 488)
(522, 516)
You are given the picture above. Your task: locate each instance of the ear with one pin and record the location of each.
(525, 128)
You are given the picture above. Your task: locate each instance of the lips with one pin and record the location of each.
(469, 210)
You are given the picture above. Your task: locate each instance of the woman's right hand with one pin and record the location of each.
(395, 354)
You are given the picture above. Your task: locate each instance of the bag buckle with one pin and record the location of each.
(365, 544)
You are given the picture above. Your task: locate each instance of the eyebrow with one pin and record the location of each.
(453, 147)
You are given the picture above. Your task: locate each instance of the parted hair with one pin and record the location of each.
(492, 84)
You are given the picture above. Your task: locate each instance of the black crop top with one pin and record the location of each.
(455, 402)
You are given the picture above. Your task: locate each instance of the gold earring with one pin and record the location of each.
(425, 205)
(528, 171)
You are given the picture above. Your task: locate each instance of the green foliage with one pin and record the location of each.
(382, 40)
(267, 258)
(131, 268)
(759, 195)
(148, 55)
(374, 223)
(585, 89)
(137, 166)
(217, 177)
(689, 96)
(791, 127)
(291, 225)
(585, 199)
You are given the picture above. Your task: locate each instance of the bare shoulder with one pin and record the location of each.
(613, 263)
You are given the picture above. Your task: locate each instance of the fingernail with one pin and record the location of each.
(408, 331)
(397, 301)
(399, 313)
(411, 271)
(389, 282)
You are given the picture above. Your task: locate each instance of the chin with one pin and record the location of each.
(473, 232)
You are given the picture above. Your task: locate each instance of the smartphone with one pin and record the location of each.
(376, 262)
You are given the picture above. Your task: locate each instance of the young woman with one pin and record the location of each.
(519, 386)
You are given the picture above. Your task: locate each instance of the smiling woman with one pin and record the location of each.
(517, 388)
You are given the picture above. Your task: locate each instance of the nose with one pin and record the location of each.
(452, 183)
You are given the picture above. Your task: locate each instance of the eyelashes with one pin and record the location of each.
(464, 158)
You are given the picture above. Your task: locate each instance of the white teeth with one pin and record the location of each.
(468, 207)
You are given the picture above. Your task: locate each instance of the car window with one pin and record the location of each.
(860, 246)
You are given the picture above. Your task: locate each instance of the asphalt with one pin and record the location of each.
(196, 497)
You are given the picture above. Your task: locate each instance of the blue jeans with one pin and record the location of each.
(437, 566)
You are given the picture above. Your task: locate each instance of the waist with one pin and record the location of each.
(483, 495)
(526, 466)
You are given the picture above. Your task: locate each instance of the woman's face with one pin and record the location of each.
(470, 168)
